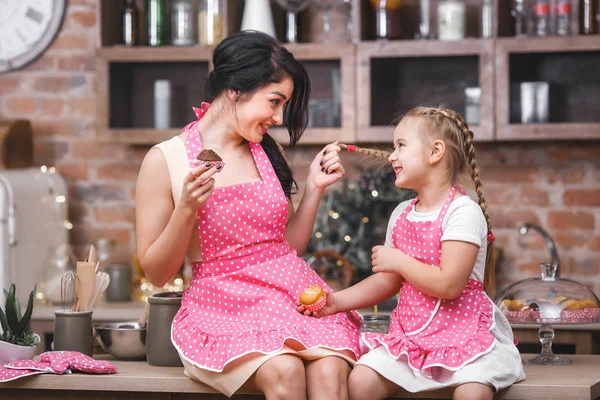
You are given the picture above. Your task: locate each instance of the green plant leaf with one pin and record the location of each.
(23, 324)
(11, 315)
(18, 308)
(3, 321)
(28, 339)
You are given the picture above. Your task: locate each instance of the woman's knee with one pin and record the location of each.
(328, 374)
(365, 383)
(282, 374)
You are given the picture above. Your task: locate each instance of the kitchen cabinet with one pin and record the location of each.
(359, 88)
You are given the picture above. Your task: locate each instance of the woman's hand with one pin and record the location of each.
(198, 185)
(326, 168)
(386, 259)
(329, 308)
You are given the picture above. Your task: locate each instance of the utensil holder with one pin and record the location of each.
(73, 331)
(159, 349)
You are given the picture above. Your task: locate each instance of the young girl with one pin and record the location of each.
(238, 321)
(445, 330)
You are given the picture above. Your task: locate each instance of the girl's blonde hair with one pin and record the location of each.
(450, 126)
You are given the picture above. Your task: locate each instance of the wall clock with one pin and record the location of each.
(27, 27)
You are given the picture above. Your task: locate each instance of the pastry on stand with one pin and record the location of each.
(548, 301)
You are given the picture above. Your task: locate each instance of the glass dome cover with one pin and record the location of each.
(549, 300)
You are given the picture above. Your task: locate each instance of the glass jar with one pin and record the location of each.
(210, 22)
(387, 18)
(104, 248)
(376, 323)
(451, 20)
(59, 260)
(183, 23)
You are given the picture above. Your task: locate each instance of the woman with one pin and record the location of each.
(238, 322)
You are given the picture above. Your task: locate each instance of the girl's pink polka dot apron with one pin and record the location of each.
(242, 297)
(429, 331)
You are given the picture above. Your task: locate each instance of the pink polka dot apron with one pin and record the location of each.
(242, 297)
(429, 331)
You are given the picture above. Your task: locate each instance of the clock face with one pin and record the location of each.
(27, 27)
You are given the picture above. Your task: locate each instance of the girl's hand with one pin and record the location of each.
(326, 168)
(386, 259)
(198, 185)
(328, 309)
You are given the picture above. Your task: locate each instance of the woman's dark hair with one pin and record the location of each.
(245, 62)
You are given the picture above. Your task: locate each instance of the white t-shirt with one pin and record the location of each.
(464, 222)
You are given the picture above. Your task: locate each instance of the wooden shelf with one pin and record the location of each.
(550, 44)
(555, 131)
(569, 64)
(471, 61)
(486, 63)
(425, 48)
(155, 54)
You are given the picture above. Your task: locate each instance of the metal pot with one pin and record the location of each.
(159, 348)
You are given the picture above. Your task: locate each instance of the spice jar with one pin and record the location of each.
(387, 18)
(451, 20)
(183, 23)
(210, 22)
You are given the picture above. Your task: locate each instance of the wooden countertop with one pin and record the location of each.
(103, 311)
(580, 380)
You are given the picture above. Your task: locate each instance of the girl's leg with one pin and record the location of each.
(327, 378)
(473, 391)
(281, 377)
(366, 384)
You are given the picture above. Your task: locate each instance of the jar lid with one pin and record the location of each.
(376, 318)
(166, 298)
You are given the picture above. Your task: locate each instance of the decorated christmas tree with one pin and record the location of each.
(353, 219)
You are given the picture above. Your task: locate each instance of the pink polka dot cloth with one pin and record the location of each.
(242, 298)
(56, 362)
(430, 331)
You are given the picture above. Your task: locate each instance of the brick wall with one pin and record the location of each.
(556, 185)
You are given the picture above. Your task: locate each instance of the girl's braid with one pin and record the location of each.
(370, 152)
(490, 281)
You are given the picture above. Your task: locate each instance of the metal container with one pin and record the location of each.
(124, 340)
(535, 102)
(73, 331)
(119, 288)
(159, 348)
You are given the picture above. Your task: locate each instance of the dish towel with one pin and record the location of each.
(56, 362)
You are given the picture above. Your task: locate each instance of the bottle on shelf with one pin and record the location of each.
(162, 104)
(183, 23)
(588, 17)
(155, 22)
(424, 20)
(520, 14)
(563, 18)
(487, 19)
(541, 12)
(210, 22)
(451, 20)
(387, 19)
(129, 19)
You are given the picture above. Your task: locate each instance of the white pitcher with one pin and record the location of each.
(258, 16)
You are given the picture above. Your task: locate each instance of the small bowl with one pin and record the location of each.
(124, 340)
